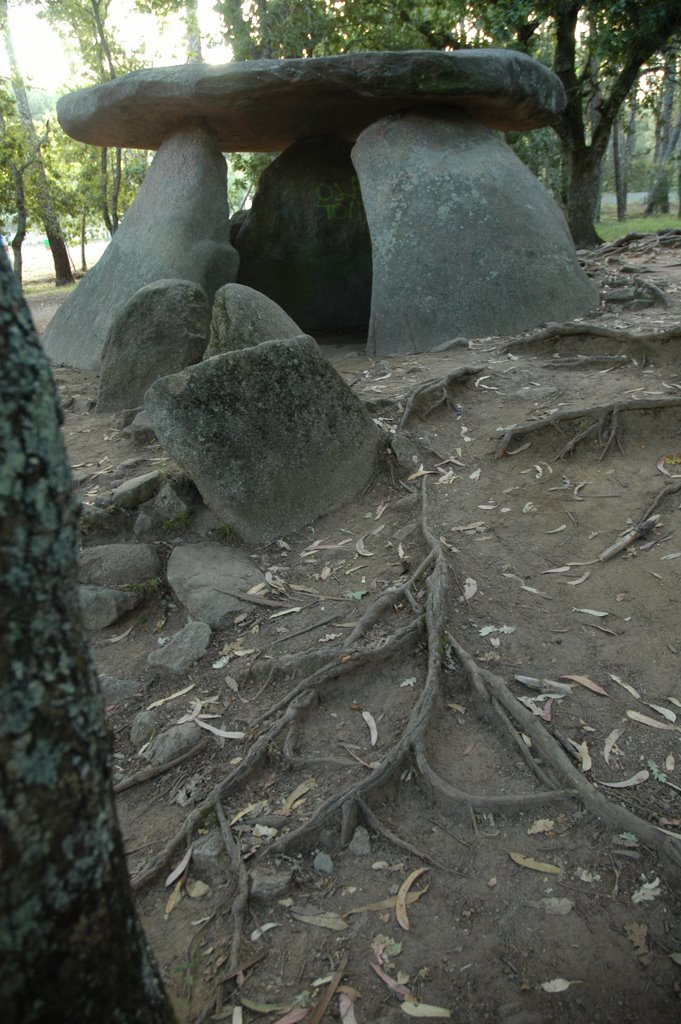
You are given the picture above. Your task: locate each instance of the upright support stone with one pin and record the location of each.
(465, 240)
(305, 241)
(177, 227)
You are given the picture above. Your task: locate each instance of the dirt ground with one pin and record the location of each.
(504, 879)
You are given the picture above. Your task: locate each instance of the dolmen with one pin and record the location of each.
(395, 203)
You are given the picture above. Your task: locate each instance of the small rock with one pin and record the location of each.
(173, 742)
(137, 490)
(102, 606)
(451, 343)
(323, 864)
(268, 885)
(209, 859)
(146, 525)
(620, 295)
(114, 689)
(360, 844)
(169, 505)
(125, 417)
(115, 565)
(186, 647)
(143, 728)
(141, 431)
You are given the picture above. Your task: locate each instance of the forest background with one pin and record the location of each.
(620, 63)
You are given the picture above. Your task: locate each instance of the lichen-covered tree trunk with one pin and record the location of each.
(71, 947)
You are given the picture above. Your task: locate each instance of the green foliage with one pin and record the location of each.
(610, 229)
(177, 523)
(225, 533)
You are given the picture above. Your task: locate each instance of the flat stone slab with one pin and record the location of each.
(207, 579)
(265, 105)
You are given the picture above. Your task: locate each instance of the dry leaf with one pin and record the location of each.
(557, 985)
(470, 588)
(580, 579)
(299, 791)
(276, 615)
(174, 897)
(591, 611)
(346, 1009)
(648, 891)
(400, 905)
(558, 529)
(196, 888)
(390, 901)
(540, 826)
(625, 686)
(362, 549)
(121, 636)
(635, 780)
(219, 732)
(164, 700)
(293, 1017)
(665, 712)
(176, 872)
(583, 753)
(259, 932)
(652, 722)
(373, 731)
(609, 745)
(399, 990)
(423, 1010)
(422, 472)
(589, 683)
(535, 865)
(638, 937)
(323, 919)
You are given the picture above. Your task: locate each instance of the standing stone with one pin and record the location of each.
(271, 435)
(243, 317)
(305, 241)
(177, 227)
(162, 329)
(465, 240)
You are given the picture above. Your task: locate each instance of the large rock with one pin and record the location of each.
(177, 227)
(465, 240)
(162, 329)
(265, 105)
(305, 241)
(102, 606)
(243, 317)
(115, 565)
(183, 649)
(207, 579)
(271, 435)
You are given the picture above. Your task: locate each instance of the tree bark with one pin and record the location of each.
(83, 228)
(60, 256)
(192, 32)
(619, 166)
(20, 233)
(70, 943)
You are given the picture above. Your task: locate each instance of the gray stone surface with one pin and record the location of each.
(114, 689)
(465, 240)
(305, 241)
(270, 884)
(209, 859)
(265, 105)
(271, 436)
(112, 565)
(169, 504)
(161, 329)
(183, 650)
(323, 864)
(177, 227)
(102, 606)
(243, 317)
(202, 576)
(140, 430)
(360, 844)
(137, 490)
(143, 728)
(173, 742)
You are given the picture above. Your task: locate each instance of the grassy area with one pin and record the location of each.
(610, 228)
(45, 286)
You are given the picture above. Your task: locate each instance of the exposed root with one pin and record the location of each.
(431, 394)
(666, 492)
(240, 902)
(605, 423)
(572, 329)
(160, 769)
(487, 685)
(577, 362)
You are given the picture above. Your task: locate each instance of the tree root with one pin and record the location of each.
(606, 424)
(572, 329)
(486, 685)
(666, 492)
(431, 394)
(160, 769)
(240, 902)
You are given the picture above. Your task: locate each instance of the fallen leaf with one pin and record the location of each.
(647, 892)
(423, 1010)
(557, 985)
(346, 1009)
(293, 1017)
(177, 871)
(635, 780)
(591, 611)
(422, 472)
(580, 579)
(558, 529)
(555, 907)
(362, 549)
(259, 932)
(174, 897)
(400, 905)
(475, 475)
(535, 865)
(355, 595)
(583, 753)
(540, 826)
(276, 615)
(589, 683)
(373, 731)
(389, 902)
(638, 937)
(219, 732)
(665, 712)
(625, 686)
(251, 1004)
(164, 700)
(399, 990)
(196, 888)
(668, 460)
(470, 588)
(299, 791)
(121, 636)
(609, 745)
(561, 568)
(539, 593)
(323, 919)
(652, 722)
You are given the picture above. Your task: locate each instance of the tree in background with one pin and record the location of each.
(667, 120)
(36, 169)
(70, 943)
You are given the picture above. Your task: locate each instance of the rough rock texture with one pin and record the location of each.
(160, 330)
(114, 689)
(265, 105)
(271, 436)
(243, 317)
(183, 649)
(206, 578)
(173, 742)
(137, 490)
(177, 227)
(102, 606)
(115, 565)
(305, 241)
(465, 240)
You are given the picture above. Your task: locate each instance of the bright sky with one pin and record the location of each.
(45, 63)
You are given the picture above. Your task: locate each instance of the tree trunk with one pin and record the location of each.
(43, 195)
(20, 233)
(83, 226)
(192, 32)
(104, 189)
(72, 947)
(584, 171)
(620, 169)
(116, 190)
(658, 193)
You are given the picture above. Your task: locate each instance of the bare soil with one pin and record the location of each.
(525, 886)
